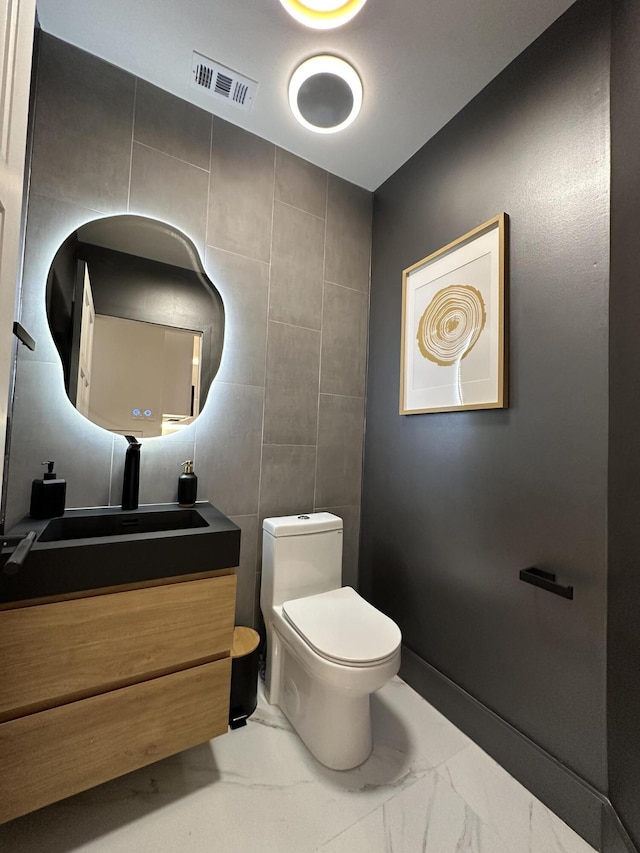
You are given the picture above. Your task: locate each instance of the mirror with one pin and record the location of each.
(138, 325)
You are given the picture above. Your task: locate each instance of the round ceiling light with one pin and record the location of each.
(325, 94)
(323, 14)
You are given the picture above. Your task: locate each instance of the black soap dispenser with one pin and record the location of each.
(187, 485)
(48, 495)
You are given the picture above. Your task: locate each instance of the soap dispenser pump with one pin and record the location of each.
(48, 495)
(187, 485)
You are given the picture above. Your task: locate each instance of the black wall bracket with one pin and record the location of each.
(23, 336)
(545, 580)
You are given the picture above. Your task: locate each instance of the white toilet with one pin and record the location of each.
(327, 648)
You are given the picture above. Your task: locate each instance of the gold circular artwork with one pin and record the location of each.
(451, 324)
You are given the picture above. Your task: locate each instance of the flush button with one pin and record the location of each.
(303, 517)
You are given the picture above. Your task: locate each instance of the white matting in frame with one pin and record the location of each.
(454, 325)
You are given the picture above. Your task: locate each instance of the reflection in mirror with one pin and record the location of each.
(138, 325)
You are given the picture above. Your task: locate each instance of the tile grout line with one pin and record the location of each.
(235, 384)
(342, 396)
(296, 326)
(264, 395)
(301, 210)
(133, 133)
(173, 156)
(288, 445)
(236, 254)
(74, 204)
(346, 287)
(204, 261)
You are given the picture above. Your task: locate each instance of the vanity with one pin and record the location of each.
(116, 629)
(116, 635)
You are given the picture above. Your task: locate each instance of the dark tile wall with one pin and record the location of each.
(288, 248)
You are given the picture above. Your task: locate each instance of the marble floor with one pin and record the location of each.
(425, 789)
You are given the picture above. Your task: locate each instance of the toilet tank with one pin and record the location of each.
(301, 556)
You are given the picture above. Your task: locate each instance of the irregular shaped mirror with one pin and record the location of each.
(138, 325)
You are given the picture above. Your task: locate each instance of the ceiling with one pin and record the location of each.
(420, 62)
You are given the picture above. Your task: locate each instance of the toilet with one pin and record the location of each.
(328, 649)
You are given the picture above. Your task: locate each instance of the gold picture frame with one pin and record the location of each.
(454, 325)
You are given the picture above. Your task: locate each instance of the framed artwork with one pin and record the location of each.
(454, 325)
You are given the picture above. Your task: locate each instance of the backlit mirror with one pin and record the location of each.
(138, 325)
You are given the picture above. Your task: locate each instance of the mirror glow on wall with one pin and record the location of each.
(137, 323)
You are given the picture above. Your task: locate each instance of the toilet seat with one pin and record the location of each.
(343, 628)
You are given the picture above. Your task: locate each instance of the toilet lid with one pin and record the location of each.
(342, 626)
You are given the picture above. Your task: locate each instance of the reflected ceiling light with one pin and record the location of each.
(323, 14)
(325, 94)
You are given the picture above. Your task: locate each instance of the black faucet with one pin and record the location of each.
(131, 479)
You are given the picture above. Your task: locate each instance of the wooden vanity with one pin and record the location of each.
(98, 683)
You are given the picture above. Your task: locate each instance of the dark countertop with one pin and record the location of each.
(54, 568)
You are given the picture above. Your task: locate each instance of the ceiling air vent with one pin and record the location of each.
(222, 83)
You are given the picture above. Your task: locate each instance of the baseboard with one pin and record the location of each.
(615, 838)
(579, 804)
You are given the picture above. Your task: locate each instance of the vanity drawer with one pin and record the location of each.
(64, 651)
(56, 753)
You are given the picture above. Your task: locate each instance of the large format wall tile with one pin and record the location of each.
(288, 477)
(300, 184)
(297, 257)
(348, 246)
(169, 189)
(243, 284)
(291, 403)
(241, 193)
(258, 620)
(246, 571)
(172, 125)
(106, 143)
(160, 466)
(227, 457)
(82, 138)
(339, 465)
(344, 341)
(49, 223)
(350, 516)
(48, 427)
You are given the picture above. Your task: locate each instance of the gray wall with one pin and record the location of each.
(454, 505)
(623, 708)
(288, 248)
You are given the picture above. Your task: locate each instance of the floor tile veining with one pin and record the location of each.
(425, 789)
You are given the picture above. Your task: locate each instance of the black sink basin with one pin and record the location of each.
(89, 526)
(87, 549)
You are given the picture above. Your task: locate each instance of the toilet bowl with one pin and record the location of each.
(327, 648)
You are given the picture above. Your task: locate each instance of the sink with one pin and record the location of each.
(87, 549)
(89, 526)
